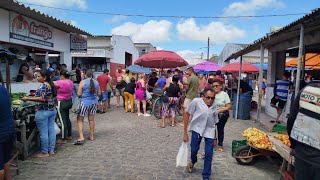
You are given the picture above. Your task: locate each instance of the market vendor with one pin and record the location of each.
(26, 70)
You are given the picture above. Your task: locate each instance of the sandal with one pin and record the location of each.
(190, 167)
(172, 125)
(91, 139)
(78, 142)
(61, 141)
(51, 153)
(220, 149)
(41, 155)
(272, 121)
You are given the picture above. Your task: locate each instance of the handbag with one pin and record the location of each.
(147, 95)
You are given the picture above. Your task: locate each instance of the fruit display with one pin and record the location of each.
(284, 139)
(257, 138)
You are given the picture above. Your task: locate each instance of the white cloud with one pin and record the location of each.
(250, 7)
(72, 22)
(115, 19)
(218, 32)
(151, 31)
(159, 48)
(192, 57)
(82, 4)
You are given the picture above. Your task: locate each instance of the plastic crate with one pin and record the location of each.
(236, 144)
(280, 129)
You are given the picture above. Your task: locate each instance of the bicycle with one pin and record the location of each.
(158, 103)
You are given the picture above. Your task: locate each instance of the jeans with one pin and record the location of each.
(127, 97)
(220, 126)
(208, 149)
(45, 124)
(64, 109)
(305, 170)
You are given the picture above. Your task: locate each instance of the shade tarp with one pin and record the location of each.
(312, 61)
(206, 66)
(161, 59)
(235, 67)
(138, 69)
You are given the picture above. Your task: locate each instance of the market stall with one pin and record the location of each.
(259, 143)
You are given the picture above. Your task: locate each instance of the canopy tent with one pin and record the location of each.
(161, 59)
(138, 69)
(265, 67)
(312, 61)
(206, 66)
(235, 67)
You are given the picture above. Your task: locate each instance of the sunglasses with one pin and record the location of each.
(209, 98)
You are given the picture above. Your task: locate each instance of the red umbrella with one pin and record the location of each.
(235, 67)
(161, 59)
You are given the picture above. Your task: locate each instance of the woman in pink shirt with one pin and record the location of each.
(64, 96)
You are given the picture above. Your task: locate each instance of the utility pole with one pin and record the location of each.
(208, 48)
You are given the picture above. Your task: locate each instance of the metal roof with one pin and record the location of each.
(20, 8)
(271, 36)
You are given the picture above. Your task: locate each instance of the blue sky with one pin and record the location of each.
(185, 36)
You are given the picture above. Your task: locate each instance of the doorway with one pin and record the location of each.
(128, 59)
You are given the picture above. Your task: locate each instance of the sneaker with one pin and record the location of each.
(190, 167)
(139, 114)
(146, 115)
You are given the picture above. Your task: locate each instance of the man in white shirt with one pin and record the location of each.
(204, 119)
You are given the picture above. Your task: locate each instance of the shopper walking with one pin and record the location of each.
(204, 119)
(46, 114)
(129, 95)
(88, 92)
(64, 96)
(222, 102)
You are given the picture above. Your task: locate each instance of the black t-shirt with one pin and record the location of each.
(245, 87)
(78, 75)
(6, 119)
(121, 85)
(173, 90)
(152, 81)
(130, 88)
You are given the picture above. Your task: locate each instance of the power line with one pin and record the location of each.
(164, 16)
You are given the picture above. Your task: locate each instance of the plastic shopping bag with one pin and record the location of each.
(182, 157)
(56, 128)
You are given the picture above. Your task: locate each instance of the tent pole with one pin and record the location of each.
(238, 89)
(299, 60)
(260, 81)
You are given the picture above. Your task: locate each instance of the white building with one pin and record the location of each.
(107, 52)
(144, 48)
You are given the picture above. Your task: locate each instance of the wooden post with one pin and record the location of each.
(238, 89)
(299, 60)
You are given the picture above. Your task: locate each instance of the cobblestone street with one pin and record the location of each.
(130, 147)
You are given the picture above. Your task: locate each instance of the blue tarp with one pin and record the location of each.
(138, 69)
(265, 67)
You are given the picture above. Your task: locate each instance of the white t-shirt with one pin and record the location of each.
(221, 100)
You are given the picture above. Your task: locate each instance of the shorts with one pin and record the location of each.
(187, 102)
(280, 102)
(109, 95)
(169, 109)
(6, 147)
(104, 96)
(119, 92)
(88, 110)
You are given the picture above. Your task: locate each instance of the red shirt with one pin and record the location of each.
(103, 80)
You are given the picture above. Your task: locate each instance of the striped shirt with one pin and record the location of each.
(282, 89)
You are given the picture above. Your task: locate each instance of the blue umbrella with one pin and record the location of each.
(138, 69)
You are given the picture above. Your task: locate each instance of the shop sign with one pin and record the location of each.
(92, 53)
(78, 43)
(24, 30)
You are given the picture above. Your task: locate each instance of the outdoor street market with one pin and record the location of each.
(80, 103)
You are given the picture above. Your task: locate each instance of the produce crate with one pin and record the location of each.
(236, 144)
(280, 129)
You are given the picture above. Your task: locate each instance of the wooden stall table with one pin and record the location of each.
(284, 151)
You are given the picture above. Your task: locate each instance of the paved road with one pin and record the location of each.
(130, 147)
